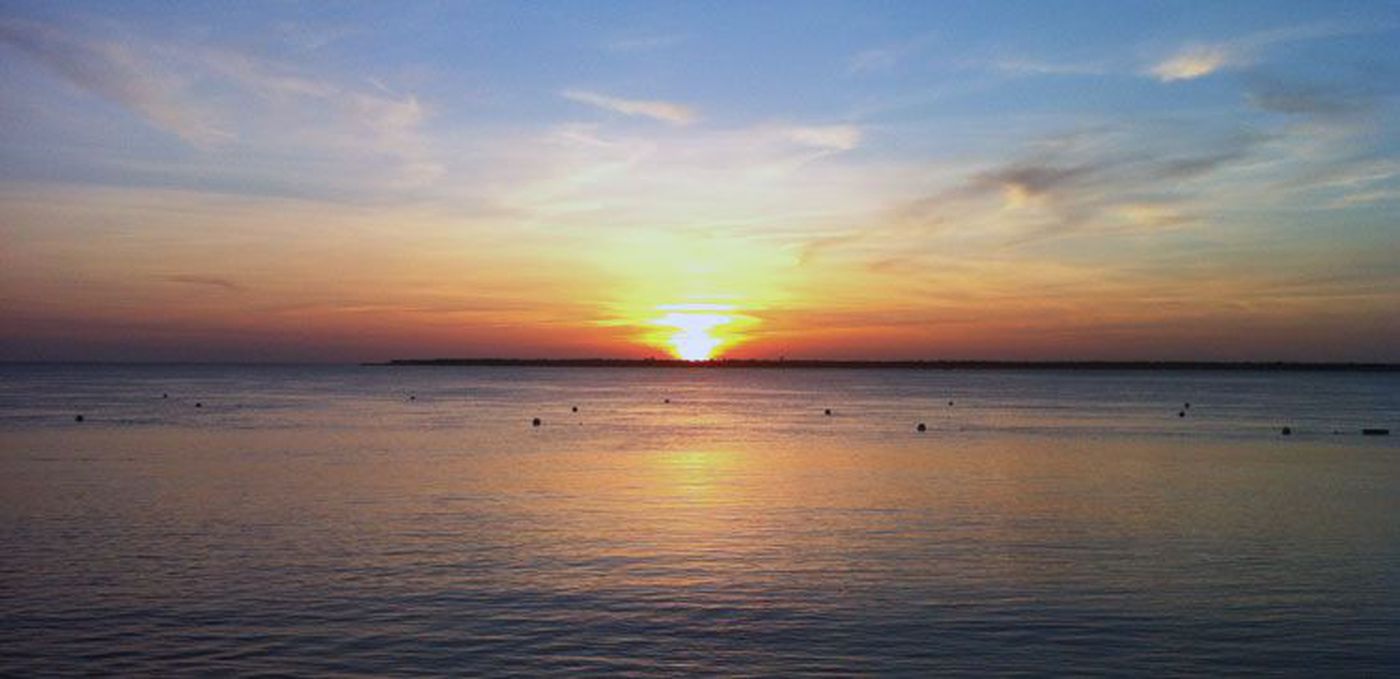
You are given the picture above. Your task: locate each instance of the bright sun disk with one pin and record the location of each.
(695, 337)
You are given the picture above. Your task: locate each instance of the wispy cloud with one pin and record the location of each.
(758, 180)
(227, 101)
(1367, 198)
(1193, 61)
(114, 71)
(1200, 59)
(205, 281)
(829, 137)
(1118, 180)
(664, 111)
(367, 115)
(887, 56)
(873, 60)
(1339, 97)
(1022, 183)
(1022, 66)
(309, 37)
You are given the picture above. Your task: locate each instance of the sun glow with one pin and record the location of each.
(693, 296)
(693, 339)
(696, 332)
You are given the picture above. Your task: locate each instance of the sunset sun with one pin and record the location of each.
(697, 332)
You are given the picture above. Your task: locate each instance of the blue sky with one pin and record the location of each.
(981, 179)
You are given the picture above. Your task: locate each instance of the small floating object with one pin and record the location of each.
(921, 427)
(1364, 432)
(198, 405)
(1287, 431)
(412, 398)
(1181, 413)
(165, 395)
(575, 409)
(827, 411)
(950, 403)
(666, 401)
(1188, 405)
(535, 422)
(77, 418)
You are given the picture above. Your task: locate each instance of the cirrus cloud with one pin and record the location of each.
(830, 137)
(1195, 61)
(664, 111)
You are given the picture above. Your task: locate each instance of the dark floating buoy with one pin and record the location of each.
(827, 412)
(950, 403)
(77, 418)
(1181, 413)
(1287, 431)
(666, 400)
(199, 405)
(412, 397)
(1364, 432)
(921, 427)
(1188, 405)
(165, 395)
(575, 408)
(535, 422)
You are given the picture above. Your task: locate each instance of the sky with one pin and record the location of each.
(339, 181)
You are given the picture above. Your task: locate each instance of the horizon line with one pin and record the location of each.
(778, 363)
(914, 364)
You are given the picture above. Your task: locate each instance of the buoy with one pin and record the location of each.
(921, 427)
(666, 401)
(828, 411)
(575, 408)
(1188, 405)
(1181, 413)
(535, 422)
(412, 398)
(77, 418)
(950, 403)
(1287, 431)
(165, 395)
(199, 405)
(1375, 432)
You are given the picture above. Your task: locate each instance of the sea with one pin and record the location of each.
(234, 520)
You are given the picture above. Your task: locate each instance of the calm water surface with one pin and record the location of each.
(373, 521)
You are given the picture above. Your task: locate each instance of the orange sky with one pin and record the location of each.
(176, 188)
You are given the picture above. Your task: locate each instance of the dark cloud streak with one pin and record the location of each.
(206, 281)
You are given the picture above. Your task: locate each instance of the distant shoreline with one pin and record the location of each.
(886, 365)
